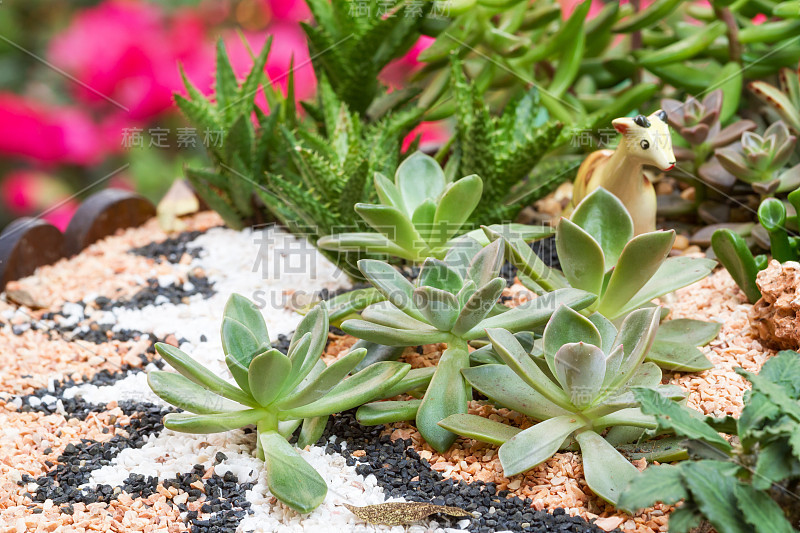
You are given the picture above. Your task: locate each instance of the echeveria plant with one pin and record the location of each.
(600, 255)
(420, 214)
(699, 124)
(578, 385)
(760, 159)
(276, 392)
(453, 302)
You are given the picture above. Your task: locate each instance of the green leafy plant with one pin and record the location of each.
(578, 385)
(420, 214)
(278, 393)
(734, 253)
(739, 485)
(600, 255)
(452, 301)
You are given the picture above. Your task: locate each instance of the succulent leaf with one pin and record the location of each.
(603, 216)
(267, 375)
(372, 414)
(446, 395)
(533, 313)
(440, 308)
(239, 341)
(387, 314)
(607, 472)
(188, 395)
(213, 423)
(582, 258)
(567, 327)
(636, 334)
(311, 431)
(486, 264)
(639, 261)
(418, 178)
(248, 314)
(514, 355)
(199, 374)
(536, 444)
(289, 477)
(436, 273)
(353, 391)
(480, 303)
(330, 377)
(505, 387)
(480, 428)
(580, 368)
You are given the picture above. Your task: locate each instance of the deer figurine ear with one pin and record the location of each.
(622, 124)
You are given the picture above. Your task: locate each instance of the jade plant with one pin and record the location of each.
(741, 485)
(453, 302)
(420, 214)
(733, 250)
(578, 385)
(760, 159)
(275, 392)
(600, 255)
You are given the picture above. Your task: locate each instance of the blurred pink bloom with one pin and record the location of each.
(128, 52)
(432, 136)
(293, 10)
(30, 193)
(49, 135)
(397, 73)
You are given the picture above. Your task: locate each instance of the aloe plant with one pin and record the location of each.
(579, 384)
(453, 302)
(420, 214)
(599, 254)
(275, 392)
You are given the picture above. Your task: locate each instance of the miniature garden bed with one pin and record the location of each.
(83, 443)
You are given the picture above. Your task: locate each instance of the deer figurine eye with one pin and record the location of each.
(645, 144)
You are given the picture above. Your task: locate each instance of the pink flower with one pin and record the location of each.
(32, 193)
(432, 136)
(292, 10)
(126, 54)
(48, 135)
(397, 73)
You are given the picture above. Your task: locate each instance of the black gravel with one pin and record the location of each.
(175, 294)
(172, 249)
(75, 465)
(395, 464)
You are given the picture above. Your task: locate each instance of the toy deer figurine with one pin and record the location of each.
(645, 141)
